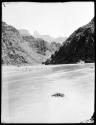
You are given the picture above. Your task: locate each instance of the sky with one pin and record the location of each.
(54, 19)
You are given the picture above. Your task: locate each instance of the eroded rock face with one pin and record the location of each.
(21, 50)
(42, 46)
(11, 51)
(79, 46)
(18, 49)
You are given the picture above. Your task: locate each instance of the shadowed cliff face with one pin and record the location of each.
(20, 49)
(79, 46)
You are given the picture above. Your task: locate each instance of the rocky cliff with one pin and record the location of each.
(15, 50)
(23, 49)
(79, 46)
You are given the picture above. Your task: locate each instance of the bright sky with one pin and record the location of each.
(55, 19)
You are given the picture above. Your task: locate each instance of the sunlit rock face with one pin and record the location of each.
(79, 46)
(11, 51)
(22, 48)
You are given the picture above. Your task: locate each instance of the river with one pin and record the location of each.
(27, 93)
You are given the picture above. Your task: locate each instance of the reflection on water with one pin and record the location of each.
(26, 93)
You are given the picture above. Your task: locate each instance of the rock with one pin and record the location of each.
(88, 121)
(91, 120)
(80, 45)
(58, 95)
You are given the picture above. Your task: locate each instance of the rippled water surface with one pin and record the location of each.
(27, 93)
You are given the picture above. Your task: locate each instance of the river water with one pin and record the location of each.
(27, 93)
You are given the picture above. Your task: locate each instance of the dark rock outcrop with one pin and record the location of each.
(58, 95)
(79, 46)
(91, 120)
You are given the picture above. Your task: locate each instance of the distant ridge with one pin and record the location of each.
(49, 38)
(24, 32)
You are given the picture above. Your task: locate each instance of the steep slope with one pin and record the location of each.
(20, 48)
(15, 50)
(60, 39)
(79, 46)
(38, 45)
(41, 46)
(54, 47)
(11, 51)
